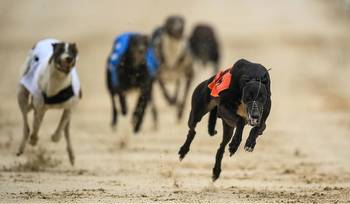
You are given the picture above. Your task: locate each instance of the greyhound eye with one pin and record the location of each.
(60, 49)
(250, 96)
(261, 97)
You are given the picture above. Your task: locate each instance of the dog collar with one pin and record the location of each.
(60, 97)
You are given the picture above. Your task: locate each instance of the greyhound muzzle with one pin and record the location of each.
(254, 113)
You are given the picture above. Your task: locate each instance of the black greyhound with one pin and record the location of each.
(238, 96)
(204, 45)
(128, 67)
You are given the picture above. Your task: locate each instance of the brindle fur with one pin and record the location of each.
(175, 64)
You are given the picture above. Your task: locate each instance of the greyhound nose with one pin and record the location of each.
(255, 114)
(69, 59)
(142, 49)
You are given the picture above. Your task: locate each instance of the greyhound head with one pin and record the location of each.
(64, 56)
(138, 48)
(254, 98)
(174, 26)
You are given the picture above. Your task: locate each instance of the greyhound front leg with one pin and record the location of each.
(123, 104)
(228, 131)
(227, 115)
(141, 105)
(195, 117)
(56, 136)
(237, 137)
(181, 106)
(254, 133)
(69, 144)
(114, 111)
(258, 130)
(165, 92)
(154, 113)
(23, 102)
(38, 117)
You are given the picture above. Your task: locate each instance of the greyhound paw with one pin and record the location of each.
(33, 140)
(182, 152)
(233, 148)
(19, 153)
(114, 122)
(179, 114)
(56, 137)
(124, 111)
(216, 173)
(249, 146)
(71, 159)
(135, 123)
(249, 149)
(212, 133)
(172, 101)
(136, 129)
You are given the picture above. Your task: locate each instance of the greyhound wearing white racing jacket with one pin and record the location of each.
(49, 81)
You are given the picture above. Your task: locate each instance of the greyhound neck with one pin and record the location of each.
(53, 80)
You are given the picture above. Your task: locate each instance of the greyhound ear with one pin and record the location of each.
(182, 20)
(54, 45)
(266, 80)
(241, 63)
(74, 48)
(243, 80)
(146, 39)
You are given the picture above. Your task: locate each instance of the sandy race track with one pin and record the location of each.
(303, 156)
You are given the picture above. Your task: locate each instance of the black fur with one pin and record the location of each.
(133, 73)
(247, 78)
(212, 121)
(204, 45)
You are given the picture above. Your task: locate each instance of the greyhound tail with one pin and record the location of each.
(212, 121)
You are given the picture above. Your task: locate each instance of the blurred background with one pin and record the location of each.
(304, 154)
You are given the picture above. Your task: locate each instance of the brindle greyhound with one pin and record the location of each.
(175, 58)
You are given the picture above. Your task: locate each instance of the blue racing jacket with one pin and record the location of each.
(120, 46)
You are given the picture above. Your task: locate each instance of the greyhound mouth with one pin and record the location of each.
(176, 34)
(64, 67)
(253, 121)
(254, 114)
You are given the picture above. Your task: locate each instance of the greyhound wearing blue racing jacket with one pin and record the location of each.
(131, 64)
